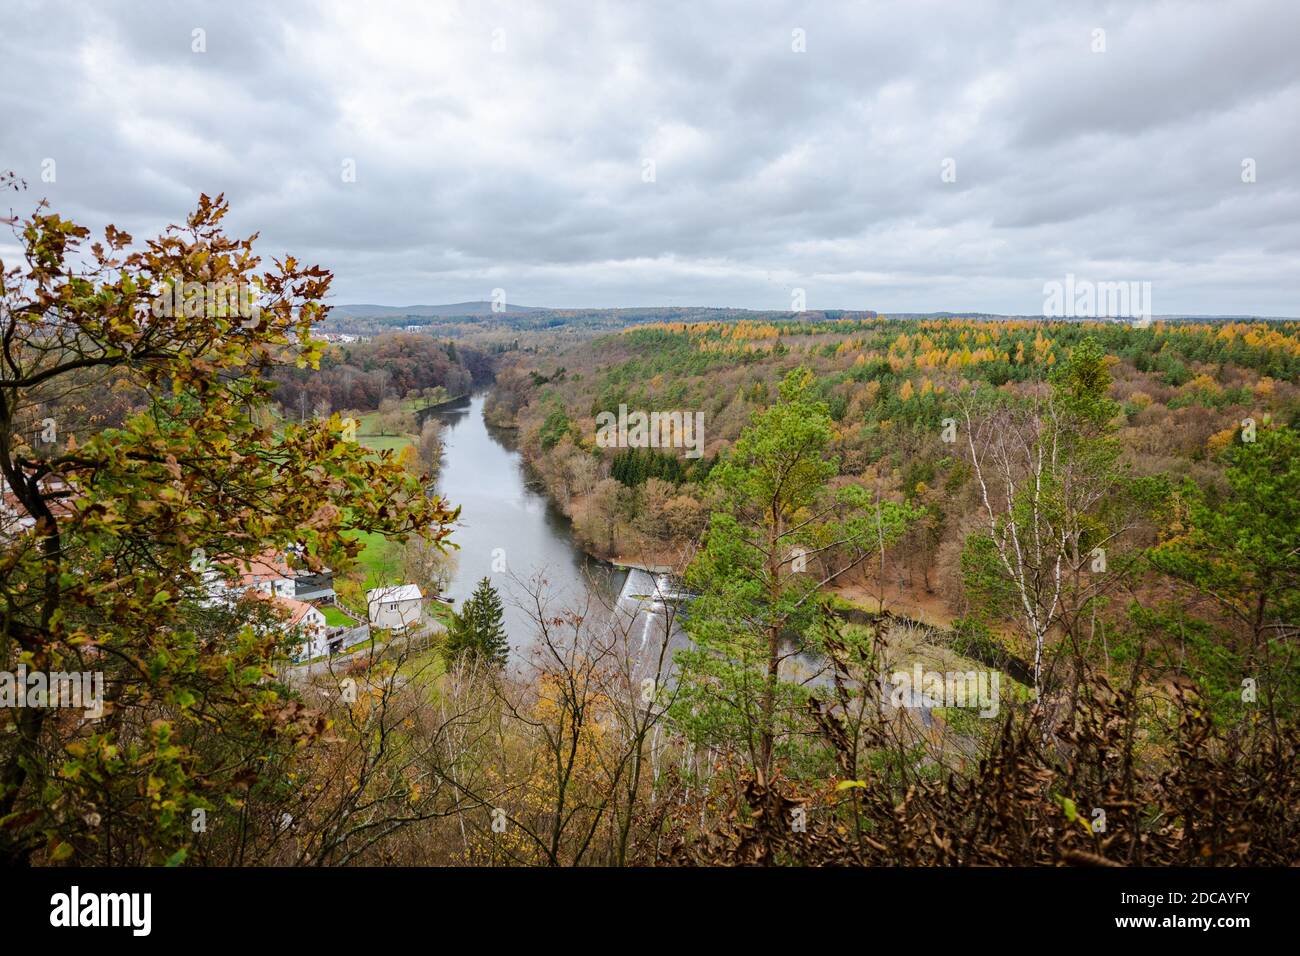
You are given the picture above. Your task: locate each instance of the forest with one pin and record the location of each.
(1097, 519)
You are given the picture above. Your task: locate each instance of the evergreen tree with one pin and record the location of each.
(1243, 550)
(779, 534)
(479, 627)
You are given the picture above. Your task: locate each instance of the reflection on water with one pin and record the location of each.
(506, 518)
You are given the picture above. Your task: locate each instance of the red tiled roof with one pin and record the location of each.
(297, 609)
(267, 566)
(59, 507)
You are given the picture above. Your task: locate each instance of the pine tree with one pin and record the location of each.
(751, 598)
(479, 627)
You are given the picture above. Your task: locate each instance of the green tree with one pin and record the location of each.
(119, 531)
(1244, 551)
(479, 627)
(777, 536)
(556, 426)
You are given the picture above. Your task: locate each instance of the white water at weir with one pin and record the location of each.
(647, 612)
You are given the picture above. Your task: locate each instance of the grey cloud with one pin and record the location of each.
(774, 169)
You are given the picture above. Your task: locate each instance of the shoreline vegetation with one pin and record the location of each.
(860, 601)
(409, 429)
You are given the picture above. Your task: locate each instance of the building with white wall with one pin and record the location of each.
(395, 608)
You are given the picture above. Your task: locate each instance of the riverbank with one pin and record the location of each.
(378, 435)
(595, 505)
(382, 560)
(424, 410)
(509, 530)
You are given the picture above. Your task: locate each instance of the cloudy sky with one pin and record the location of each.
(790, 146)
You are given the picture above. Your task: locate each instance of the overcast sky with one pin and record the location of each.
(505, 145)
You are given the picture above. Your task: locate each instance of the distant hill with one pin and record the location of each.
(999, 317)
(363, 311)
(462, 318)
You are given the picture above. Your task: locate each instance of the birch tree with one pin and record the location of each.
(1054, 498)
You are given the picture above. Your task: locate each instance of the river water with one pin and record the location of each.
(511, 533)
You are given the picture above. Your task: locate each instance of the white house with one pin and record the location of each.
(395, 608)
(309, 623)
(299, 619)
(267, 577)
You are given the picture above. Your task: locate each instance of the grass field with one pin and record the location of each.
(428, 665)
(379, 558)
(380, 555)
(336, 618)
(368, 431)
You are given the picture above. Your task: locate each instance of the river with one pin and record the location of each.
(511, 533)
